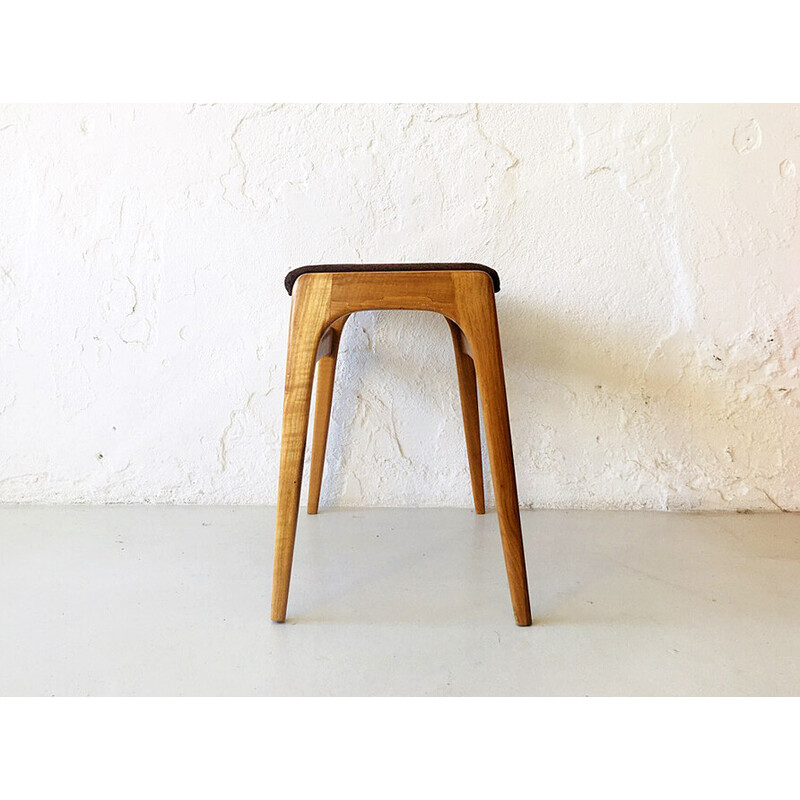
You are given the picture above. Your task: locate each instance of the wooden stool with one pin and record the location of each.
(322, 299)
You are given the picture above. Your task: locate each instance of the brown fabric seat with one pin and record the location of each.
(432, 267)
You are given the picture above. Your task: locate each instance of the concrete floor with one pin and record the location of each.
(167, 601)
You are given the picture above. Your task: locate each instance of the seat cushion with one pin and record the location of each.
(433, 267)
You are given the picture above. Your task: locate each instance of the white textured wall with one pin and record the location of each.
(650, 264)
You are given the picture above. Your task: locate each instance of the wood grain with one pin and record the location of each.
(468, 391)
(477, 317)
(308, 321)
(466, 299)
(326, 373)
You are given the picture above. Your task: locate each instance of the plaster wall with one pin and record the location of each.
(650, 269)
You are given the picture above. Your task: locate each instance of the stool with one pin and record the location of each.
(323, 297)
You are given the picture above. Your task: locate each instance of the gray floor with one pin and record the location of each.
(159, 600)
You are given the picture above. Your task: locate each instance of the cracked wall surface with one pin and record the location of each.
(650, 269)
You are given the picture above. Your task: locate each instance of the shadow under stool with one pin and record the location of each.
(323, 297)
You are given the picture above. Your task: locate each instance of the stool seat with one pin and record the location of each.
(292, 276)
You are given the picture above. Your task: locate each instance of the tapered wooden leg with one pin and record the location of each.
(326, 371)
(468, 390)
(309, 310)
(484, 338)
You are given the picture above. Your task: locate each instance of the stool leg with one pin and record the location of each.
(326, 371)
(468, 390)
(305, 329)
(484, 337)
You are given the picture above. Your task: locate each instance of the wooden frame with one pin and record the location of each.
(321, 303)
